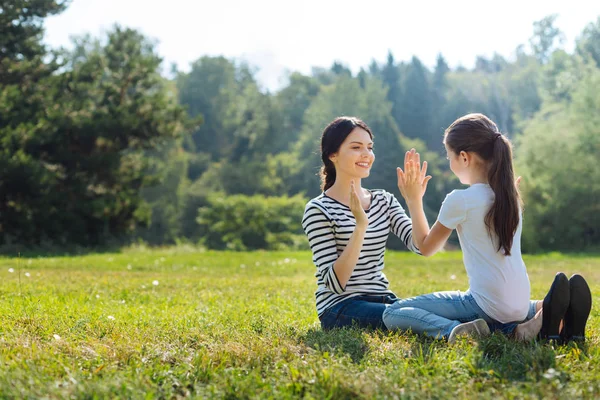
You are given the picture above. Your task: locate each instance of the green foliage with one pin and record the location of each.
(415, 106)
(557, 156)
(82, 151)
(546, 38)
(212, 90)
(241, 222)
(588, 44)
(73, 164)
(92, 144)
(166, 198)
(524, 88)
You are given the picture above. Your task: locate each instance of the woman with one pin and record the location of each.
(347, 228)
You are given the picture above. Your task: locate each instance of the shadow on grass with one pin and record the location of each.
(352, 342)
(348, 341)
(25, 251)
(515, 361)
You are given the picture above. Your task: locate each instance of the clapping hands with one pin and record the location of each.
(412, 181)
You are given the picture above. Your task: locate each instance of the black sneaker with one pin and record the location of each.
(578, 311)
(555, 306)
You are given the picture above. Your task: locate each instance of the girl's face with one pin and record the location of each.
(355, 156)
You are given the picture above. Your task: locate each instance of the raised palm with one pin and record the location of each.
(356, 207)
(412, 181)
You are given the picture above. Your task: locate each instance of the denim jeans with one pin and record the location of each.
(360, 311)
(436, 314)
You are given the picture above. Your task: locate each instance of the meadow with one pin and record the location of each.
(181, 322)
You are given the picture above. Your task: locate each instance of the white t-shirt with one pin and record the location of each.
(499, 283)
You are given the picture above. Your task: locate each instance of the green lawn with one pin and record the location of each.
(179, 322)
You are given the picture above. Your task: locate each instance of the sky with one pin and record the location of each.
(277, 37)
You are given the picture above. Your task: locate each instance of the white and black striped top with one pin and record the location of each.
(329, 225)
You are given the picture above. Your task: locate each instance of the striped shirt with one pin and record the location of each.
(329, 225)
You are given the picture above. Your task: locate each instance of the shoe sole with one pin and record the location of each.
(478, 328)
(579, 309)
(555, 306)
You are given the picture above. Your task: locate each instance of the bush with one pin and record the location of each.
(242, 222)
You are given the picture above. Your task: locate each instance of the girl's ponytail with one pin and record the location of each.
(503, 216)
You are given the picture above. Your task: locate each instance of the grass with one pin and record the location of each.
(184, 323)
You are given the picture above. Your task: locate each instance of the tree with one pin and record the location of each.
(26, 83)
(588, 44)
(390, 75)
(557, 156)
(290, 104)
(546, 38)
(209, 90)
(83, 152)
(415, 106)
(439, 90)
(523, 83)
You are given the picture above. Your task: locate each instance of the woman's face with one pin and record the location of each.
(355, 156)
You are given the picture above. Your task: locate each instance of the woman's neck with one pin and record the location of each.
(340, 191)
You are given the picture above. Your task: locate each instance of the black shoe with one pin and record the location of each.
(555, 306)
(578, 311)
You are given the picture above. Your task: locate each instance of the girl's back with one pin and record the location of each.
(498, 282)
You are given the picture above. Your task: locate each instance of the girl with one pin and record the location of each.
(487, 217)
(347, 228)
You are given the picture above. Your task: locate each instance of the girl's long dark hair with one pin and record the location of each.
(333, 136)
(478, 134)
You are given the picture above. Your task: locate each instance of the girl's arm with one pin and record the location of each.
(412, 183)
(429, 241)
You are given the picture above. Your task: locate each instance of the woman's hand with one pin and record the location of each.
(412, 182)
(357, 209)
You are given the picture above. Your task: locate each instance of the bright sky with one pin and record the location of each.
(278, 36)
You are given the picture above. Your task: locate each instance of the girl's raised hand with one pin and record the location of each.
(412, 181)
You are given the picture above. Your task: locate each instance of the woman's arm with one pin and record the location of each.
(334, 271)
(345, 264)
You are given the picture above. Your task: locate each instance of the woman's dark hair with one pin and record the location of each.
(333, 136)
(478, 134)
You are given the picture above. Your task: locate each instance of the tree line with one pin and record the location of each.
(99, 147)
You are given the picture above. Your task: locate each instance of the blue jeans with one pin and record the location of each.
(436, 314)
(359, 311)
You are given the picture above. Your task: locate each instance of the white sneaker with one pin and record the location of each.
(478, 328)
